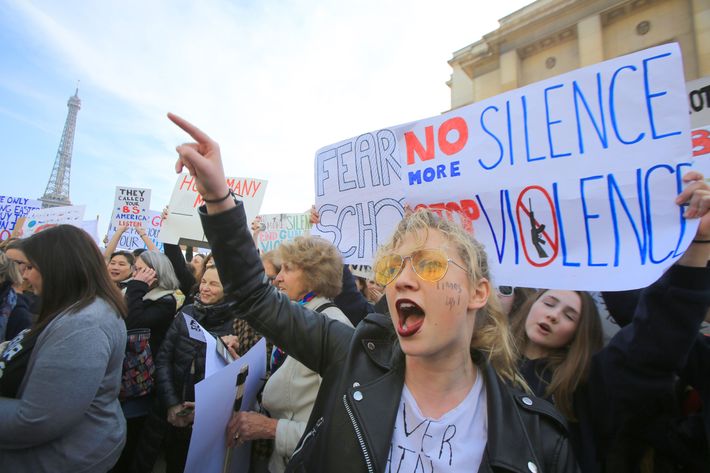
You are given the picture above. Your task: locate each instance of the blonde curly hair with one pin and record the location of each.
(492, 335)
(320, 262)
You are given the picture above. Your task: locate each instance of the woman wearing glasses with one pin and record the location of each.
(421, 389)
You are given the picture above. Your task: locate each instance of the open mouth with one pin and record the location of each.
(411, 317)
(545, 328)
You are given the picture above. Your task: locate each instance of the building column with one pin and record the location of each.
(701, 25)
(461, 85)
(509, 70)
(590, 43)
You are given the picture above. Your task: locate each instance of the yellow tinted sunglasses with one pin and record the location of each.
(429, 264)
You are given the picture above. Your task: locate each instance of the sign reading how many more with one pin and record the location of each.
(569, 182)
(277, 228)
(13, 208)
(183, 225)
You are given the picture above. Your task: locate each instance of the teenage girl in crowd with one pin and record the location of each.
(443, 361)
(607, 394)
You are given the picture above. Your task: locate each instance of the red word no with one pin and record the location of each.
(447, 147)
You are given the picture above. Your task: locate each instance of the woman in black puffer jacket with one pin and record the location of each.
(181, 364)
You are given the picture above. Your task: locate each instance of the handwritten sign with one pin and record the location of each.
(130, 207)
(183, 225)
(277, 228)
(362, 271)
(130, 240)
(699, 99)
(41, 219)
(569, 182)
(13, 208)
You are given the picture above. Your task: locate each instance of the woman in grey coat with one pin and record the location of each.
(59, 380)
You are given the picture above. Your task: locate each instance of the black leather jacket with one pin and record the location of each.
(351, 425)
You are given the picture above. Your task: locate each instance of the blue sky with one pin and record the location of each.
(271, 81)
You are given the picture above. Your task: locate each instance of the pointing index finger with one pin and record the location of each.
(190, 129)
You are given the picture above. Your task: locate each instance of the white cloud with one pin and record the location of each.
(271, 81)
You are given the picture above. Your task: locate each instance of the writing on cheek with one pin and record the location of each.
(452, 302)
(445, 285)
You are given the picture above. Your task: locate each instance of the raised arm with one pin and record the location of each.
(313, 339)
(113, 242)
(144, 236)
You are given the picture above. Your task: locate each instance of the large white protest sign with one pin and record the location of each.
(569, 182)
(42, 219)
(131, 240)
(277, 228)
(183, 224)
(214, 402)
(12, 208)
(131, 206)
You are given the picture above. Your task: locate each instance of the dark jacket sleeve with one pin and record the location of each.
(155, 315)
(20, 318)
(164, 362)
(621, 305)
(639, 365)
(314, 339)
(351, 301)
(185, 277)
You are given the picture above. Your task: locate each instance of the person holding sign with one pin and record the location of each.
(431, 385)
(180, 364)
(59, 381)
(605, 391)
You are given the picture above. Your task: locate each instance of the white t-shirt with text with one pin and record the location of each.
(453, 443)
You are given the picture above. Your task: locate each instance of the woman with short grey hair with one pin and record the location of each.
(151, 305)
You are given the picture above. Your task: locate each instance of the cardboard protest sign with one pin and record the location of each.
(569, 182)
(13, 208)
(41, 219)
(214, 401)
(130, 240)
(699, 99)
(130, 207)
(183, 224)
(277, 228)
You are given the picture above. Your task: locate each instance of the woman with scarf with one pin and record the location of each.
(181, 364)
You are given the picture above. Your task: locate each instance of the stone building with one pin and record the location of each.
(550, 37)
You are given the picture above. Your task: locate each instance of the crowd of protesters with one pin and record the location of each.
(420, 365)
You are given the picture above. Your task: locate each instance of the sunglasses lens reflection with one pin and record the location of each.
(430, 265)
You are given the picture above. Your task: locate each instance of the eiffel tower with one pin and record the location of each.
(57, 192)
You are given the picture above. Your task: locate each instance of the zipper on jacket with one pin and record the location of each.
(358, 433)
(306, 437)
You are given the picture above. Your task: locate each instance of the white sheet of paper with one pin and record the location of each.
(213, 361)
(214, 399)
